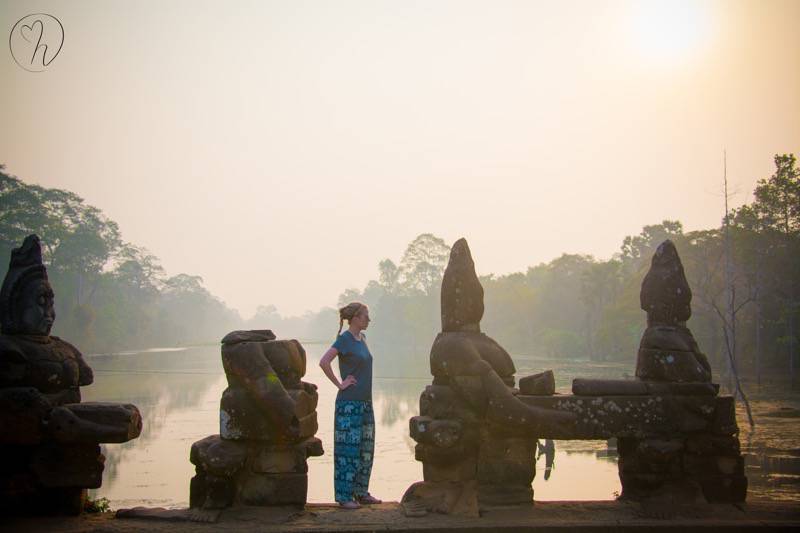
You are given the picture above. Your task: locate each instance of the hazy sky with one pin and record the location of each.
(280, 150)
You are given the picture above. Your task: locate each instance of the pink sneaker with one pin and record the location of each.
(349, 505)
(368, 499)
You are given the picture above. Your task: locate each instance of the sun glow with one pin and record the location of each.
(670, 30)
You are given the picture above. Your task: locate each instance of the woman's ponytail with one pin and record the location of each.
(348, 312)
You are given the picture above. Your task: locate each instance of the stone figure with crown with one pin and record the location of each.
(50, 440)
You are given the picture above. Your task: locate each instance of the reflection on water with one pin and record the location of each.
(178, 393)
(772, 450)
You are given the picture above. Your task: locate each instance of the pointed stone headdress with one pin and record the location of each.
(666, 296)
(462, 293)
(25, 266)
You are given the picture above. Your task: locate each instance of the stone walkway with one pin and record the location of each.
(544, 517)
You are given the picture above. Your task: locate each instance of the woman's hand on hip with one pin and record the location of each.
(347, 382)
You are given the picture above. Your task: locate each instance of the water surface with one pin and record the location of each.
(178, 392)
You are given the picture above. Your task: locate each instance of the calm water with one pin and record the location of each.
(178, 392)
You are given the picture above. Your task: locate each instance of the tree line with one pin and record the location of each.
(745, 277)
(111, 295)
(579, 307)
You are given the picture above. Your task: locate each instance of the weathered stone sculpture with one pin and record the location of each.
(268, 420)
(703, 455)
(476, 439)
(668, 351)
(677, 439)
(49, 440)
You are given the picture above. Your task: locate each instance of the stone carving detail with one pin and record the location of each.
(268, 419)
(678, 440)
(50, 439)
(668, 351)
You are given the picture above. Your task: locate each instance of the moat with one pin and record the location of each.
(178, 391)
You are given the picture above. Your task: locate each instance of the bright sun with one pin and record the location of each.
(670, 29)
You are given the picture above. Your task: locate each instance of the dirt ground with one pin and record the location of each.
(543, 516)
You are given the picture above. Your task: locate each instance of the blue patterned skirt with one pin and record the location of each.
(353, 448)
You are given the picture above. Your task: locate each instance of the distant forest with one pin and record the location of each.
(113, 296)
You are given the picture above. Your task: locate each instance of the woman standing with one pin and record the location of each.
(354, 421)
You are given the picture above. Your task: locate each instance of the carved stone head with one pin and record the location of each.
(26, 298)
(665, 295)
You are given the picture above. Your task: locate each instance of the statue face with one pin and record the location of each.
(37, 313)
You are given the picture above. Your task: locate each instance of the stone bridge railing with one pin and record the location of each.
(681, 438)
(476, 435)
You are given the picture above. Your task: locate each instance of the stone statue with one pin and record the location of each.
(668, 351)
(476, 438)
(472, 363)
(268, 419)
(53, 454)
(31, 356)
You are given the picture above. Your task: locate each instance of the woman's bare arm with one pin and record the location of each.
(325, 365)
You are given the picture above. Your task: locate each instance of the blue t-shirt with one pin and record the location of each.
(355, 360)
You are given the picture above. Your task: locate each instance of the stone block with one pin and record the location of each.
(60, 466)
(67, 395)
(457, 471)
(458, 499)
(17, 486)
(607, 387)
(218, 456)
(669, 338)
(724, 421)
(699, 443)
(730, 466)
(280, 460)
(471, 389)
(712, 465)
(542, 384)
(312, 447)
(197, 490)
(22, 412)
(252, 335)
(440, 433)
(247, 365)
(95, 422)
(288, 359)
(506, 461)
(603, 417)
(219, 492)
(659, 450)
(307, 427)
(272, 489)
(444, 456)
(636, 485)
(242, 418)
(502, 495)
(671, 365)
(455, 353)
(305, 400)
(46, 501)
(442, 401)
(725, 445)
(724, 489)
(682, 389)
